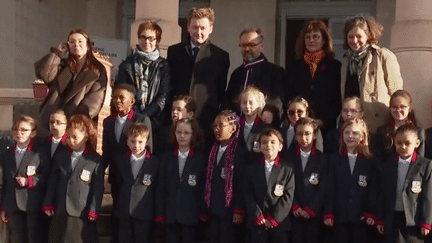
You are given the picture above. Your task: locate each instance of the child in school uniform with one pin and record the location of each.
(74, 193)
(58, 136)
(352, 185)
(183, 106)
(297, 108)
(25, 171)
(405, 192)
(138, 180)
(251, 101)
(401, 113)
(311, 167)
(183, 176)
(269, 191)
(223, 195)
(352, 108)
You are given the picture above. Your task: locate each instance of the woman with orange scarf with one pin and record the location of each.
(315, 74)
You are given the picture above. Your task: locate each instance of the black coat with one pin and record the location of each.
(428, 143)
(260, 197)
(159, 82)
(205, 79)
(346, 200)
(183, 196)
(29, 199)
(416, 205)
(322, 91)
(266, 76)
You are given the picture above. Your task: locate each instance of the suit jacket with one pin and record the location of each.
(428, 143)
(417, 206)
(85, 96)
(28, 198)
(136, 198)
(205, 79)
(322, 91)
(263, 199)
(77, 192)
(266, 76)
(332, 140)
(308, 195)
(45, 146)
(349, 197)
(183, 196)
(257, 127)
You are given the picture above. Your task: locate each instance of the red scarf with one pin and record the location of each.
(312, 59)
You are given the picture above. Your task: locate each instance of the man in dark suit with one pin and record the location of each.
(199, 68)
(256, 70)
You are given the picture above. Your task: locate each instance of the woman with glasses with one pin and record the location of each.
(147, 71)
(369, 71)
(315, 74)
(76, 78)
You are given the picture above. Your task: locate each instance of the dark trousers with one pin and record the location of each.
(184, 233)
(306, 231)
(259, 234)
(27, 227)
(223, 230)
(349, 232)
(69, 229)
(134, 230)
(400, 233)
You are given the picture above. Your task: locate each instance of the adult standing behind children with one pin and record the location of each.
(77, 84)
(369, 71)
(199, 68)
(147, 71)
(256, 70)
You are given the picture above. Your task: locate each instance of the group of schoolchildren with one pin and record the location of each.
(259, 179)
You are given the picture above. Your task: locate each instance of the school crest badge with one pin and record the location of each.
(147, 180)
(416, 187)
(192, 180)
(31, 170)
(85, 175)
(256, 147)
(362, 180)
(313, 179)
(278, 191)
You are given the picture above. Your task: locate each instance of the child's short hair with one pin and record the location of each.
(197, 136)
(124, 86)
(60, 112)
(190, 103)
(406, 129)
(356, 99)
(201, 12)
(84, 123)
(363, 147)
(259, 96)
(138, 129)
(267, 132)
(307, 121)
(24, 118)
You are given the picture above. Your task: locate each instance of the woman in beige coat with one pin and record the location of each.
(369, 71)
(76, 84)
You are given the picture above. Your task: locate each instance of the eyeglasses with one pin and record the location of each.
(312, 37)
(21, 130)
(249, 44)
(58, 123)
(149, 38)
(293, 112)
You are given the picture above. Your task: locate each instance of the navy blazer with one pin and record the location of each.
(311, 184)
(28, 198)
(262, 198)
(77, 192)
(257, 127)
(137, 197)
(349, 197)
(45, 146)
(416, 204)
(183, 196)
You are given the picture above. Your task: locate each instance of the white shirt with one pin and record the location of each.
(352, 159)
(304, 158)
(19, 154)
(182, 157)
(54, 145)
(136, 164)
(75, 156)
(119, 124)
(268, 169)
(220, 152)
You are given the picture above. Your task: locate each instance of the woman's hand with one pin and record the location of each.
(63, 47)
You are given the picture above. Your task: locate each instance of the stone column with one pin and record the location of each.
(233, 16)
(165, 13)
(411, 42)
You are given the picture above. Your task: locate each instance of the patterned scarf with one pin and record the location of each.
(142, 64)
(228, 169)
(312, 59)
(356, 59)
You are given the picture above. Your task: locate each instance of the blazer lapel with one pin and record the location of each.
(25, 161)
(273, 177)
(412, 170)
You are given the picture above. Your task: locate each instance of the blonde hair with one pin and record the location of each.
(138, 129)
(201, 12)
(255, 92)
(363, 146)
(24, 118)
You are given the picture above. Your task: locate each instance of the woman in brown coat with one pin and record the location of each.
(77, 84)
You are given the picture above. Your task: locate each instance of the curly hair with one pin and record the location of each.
(315, 25)
(368, 24)
(84, 124)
